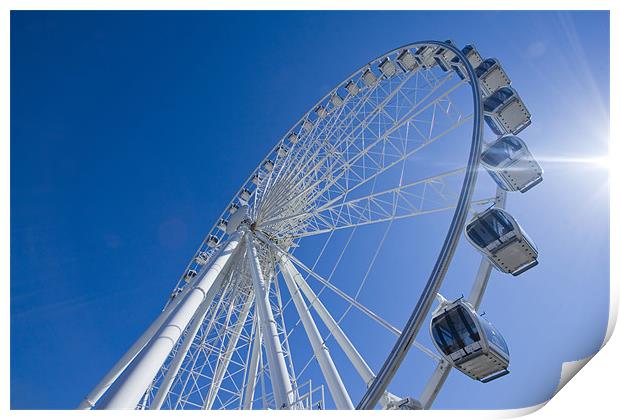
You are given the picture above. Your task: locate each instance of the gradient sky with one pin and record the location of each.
(130, 131)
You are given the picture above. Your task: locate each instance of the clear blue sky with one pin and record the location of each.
(131, 131)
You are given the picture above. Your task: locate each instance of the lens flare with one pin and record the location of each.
(593, 161)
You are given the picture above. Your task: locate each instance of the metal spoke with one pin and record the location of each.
(338, 172)
(369, 152)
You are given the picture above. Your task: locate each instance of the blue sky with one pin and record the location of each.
(131, 131)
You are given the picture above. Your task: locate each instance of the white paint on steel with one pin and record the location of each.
(328, 368)
(224, 361)
(306, 191)
(278, 373)
(135, 382)
(252, 374)
(120, 366)
(339, 335)
(179, 357)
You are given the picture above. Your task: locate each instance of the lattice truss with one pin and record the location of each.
(346, 165)
(315, 188)
(215, 371)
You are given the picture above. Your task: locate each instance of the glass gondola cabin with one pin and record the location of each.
(497, 235)
(473, 57)
(469, 342)
(425, 56)
(511, 164)
(191, 273)
(202, 258)
(491, 76)
(407, 61)
(505, 112)
(444, 56)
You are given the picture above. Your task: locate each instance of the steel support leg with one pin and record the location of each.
(248, 396)
(179, 357)
(120, 366)
(330, 373)
(341, 338)
(141, 374)
(484, 271)
(280, 380)
(223, 362)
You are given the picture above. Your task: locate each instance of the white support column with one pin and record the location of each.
(248, 397)
(120, 366)
(330, 373)
(485, 268)
(179, 357)
(141, 374)
(280, 380)
(434, 384)
(341, 338)
(205, 334)
(343, 341)
(223, 362)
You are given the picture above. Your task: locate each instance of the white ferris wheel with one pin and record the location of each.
(295, 298)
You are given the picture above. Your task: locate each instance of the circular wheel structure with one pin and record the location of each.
(301, 295)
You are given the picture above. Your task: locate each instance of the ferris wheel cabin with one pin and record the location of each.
(407, 61)
(245, 195)
(212, 241)
(491, 76)
(473, 57)
(497, 235)
(425, 56)
(336, 100)
(222, 224)
(307, 126)
(202, 258)
(282, 152)
(233, 208)
(387, 68)
(369, 78)
(191, 273)
(505, 112)
(268, 165)
(511, 164)
(469, 342)
(444, 56)
(320, 111)
(293, 138)
(352, 88)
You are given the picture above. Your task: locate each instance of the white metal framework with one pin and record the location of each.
(290, 294)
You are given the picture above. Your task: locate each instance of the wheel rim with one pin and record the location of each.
(354, 162)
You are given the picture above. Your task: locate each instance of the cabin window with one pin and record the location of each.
(444, 336)
(455, 330)
(486, 65)
(489, 228)
(504, 149)
(513, 143)
(467, 49)
(497, 99)
(493, 336)
(465, 327)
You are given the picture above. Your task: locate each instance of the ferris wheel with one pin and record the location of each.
(318, 277)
